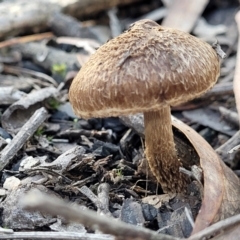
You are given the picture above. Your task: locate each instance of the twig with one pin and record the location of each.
(217, 227)
(195, 173)
(115, 25)
(30, 38)
(103, 196)
(224, 149)
(101, 201)
(36, 200)
(56, 235)
(88, 193)
(23, 135)
(229, 115)
(75, 133)
(31, 73)
(234, 149)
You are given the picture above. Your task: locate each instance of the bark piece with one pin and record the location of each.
(62, 163)
(19, 112)
(176, 223)
(9, 95)
(131, 213)
(18, 16)
(23, 135)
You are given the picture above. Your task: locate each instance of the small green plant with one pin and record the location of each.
(76, 124)
(119, 172)
(49, 138)
(53, 103)
(39, 131)
(59, 69)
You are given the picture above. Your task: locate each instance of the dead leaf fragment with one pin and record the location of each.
(158, 200)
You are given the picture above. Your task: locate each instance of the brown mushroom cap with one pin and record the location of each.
(143, 69)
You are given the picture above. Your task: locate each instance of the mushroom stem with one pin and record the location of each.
(161, 152)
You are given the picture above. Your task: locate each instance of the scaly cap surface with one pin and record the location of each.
(144, 68)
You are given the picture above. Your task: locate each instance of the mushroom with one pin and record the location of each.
(148, 68)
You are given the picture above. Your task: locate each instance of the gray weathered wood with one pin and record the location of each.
(17, 16)
(46, 56)
(19, 112)
(56, 235)
(27, 131)
(9, 95)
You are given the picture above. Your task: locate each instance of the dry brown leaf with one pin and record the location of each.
(236, 81)
(158, 200)
(221, 186)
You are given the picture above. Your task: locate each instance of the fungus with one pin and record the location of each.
(148, 68)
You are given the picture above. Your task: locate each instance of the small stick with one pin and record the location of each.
(229, 115)
(30, 38)
(236, 148)
(31, 73)
(115, 25)
(27, 130)
(56, 235)
(224, 149)
(102, 200)
(88, 193)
